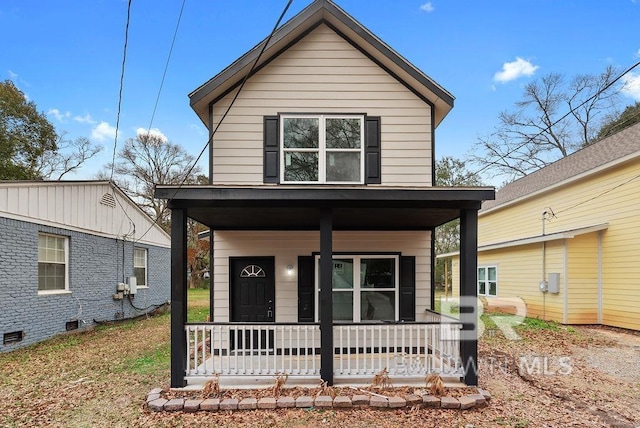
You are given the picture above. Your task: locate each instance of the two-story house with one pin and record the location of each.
(322, 210)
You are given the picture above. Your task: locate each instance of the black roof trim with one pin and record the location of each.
(319, 6)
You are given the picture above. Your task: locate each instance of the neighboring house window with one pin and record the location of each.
(322, 149)
(488, 281)
(140, 266)
(52, 263)
(365, 288)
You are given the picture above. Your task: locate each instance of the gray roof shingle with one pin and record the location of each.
(607, 150)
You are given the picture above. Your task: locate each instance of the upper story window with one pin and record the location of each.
(53, 253)
(322, 149)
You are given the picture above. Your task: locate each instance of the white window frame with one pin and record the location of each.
(146, 265)
(486, 280)
(66, 265)
(356, 290)
(322, 149)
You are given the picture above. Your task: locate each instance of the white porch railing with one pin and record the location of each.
(253, 349)
(405, 349)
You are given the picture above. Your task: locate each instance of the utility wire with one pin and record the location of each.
(244, 80)
(531, 139)
(153, 114)
(124, 60)
(600, 194)
(166, 67)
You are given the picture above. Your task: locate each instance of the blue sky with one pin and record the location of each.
(66, 56)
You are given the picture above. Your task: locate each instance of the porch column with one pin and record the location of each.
(326, 295)
(469, 294)
(178, 297)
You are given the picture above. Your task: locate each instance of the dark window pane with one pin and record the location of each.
(378, 305)
(344, 133)
(343, 305)
(300, 166)
(481, 288)
(343, 166)
(140, 274)
(300, 133)
(493, 288)
(377, 273)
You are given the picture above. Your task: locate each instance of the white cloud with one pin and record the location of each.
(631, 85)
(638, 53)
(427, 7)
(58, 115)
(514, 70)
(153, 132)
(84, 119)
(103, 131)
(12, 75)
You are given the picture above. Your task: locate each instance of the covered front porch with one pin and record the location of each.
(327, 349)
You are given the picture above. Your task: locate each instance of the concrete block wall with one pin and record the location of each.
(96, 265)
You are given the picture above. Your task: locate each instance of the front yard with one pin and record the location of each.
(568, 377)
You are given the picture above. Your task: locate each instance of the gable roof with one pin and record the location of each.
(323, 12)
(95, 207)
(592, 159)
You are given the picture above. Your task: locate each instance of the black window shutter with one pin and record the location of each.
(372, 148)
(271, 150)
(306, 289)
(407, 288)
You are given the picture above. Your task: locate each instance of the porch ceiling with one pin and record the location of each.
(298, 207)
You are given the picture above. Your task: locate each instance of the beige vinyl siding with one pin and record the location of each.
(582, 276)
(287, 246)
(323, 73)
(611, 197)
(76, 206)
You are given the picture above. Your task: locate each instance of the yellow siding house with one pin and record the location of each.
(572, 229)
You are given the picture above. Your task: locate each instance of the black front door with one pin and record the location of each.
(252, 285)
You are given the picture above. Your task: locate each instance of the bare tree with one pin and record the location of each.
(69, 156)
(450, 172)
(553, 119)
(145, 161)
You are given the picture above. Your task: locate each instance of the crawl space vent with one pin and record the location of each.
(72, 325)
(13, 337)
(109, 200)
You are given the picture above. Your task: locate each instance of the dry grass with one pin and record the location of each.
(279, 384)
(101, 378)
(435, 384)
(382, 380)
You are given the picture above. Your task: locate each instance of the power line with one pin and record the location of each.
(531, 139)
(600, 194)
(124, 60)
(244, 80)
(166, 67)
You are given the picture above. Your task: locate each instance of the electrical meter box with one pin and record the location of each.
(133, 285)
(554, 283)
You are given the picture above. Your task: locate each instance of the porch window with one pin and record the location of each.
(365, 288)
(322, 149)
(140, 266)
(53, 260)
(488, 281)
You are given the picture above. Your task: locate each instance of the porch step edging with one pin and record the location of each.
(156, 403)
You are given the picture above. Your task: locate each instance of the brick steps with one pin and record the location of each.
(156, 403)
